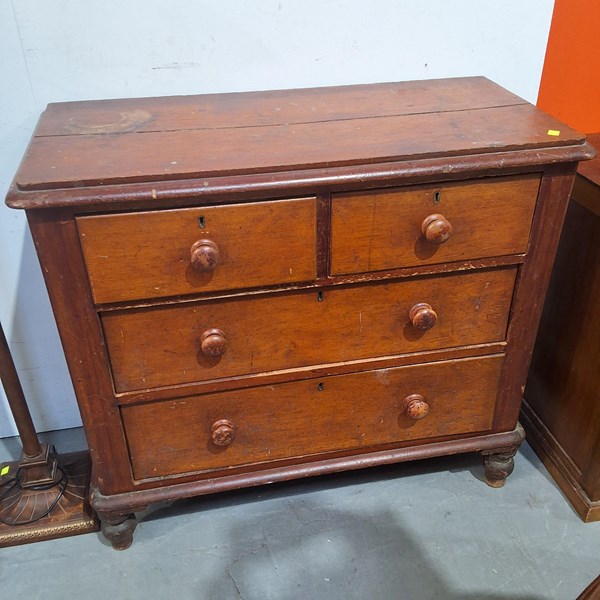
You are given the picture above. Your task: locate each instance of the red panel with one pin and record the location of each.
(570, 87)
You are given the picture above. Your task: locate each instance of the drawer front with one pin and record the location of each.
(303, 418)
(380, 230)
(149, 254)
(156, 347)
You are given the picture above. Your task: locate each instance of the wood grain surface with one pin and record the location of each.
(243, 141)
(147, 254)
(313, 416)
(564, 382)
(57, 244)
(244, 291)
(590, 170)
(271, 107)
(161, 346)
(561, 467)
(268, 185)
(530, 291)
(381, 229)
(563, 388)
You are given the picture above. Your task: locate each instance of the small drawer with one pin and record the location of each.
(303, 418)
(172, 252)
(406, 227)
(200, 341)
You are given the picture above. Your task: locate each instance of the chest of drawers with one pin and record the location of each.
(256, 287)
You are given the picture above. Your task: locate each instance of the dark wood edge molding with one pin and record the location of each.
(202, 191)
(585, 193)
(559, 464)
(131, 501)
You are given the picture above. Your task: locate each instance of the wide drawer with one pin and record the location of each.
(154, 347)
(303, 418)
(384, 229)
(149, 254)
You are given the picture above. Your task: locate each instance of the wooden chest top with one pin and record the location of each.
(106, 142)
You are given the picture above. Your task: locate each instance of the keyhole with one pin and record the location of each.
(321, 387)
(436, 197)
(202, 222)
(319, 296)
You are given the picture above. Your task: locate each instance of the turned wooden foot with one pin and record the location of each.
(118, 530)
(498, 464)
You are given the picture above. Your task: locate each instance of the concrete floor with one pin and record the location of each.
(422, 530)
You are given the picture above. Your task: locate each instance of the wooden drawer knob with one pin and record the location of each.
(415, 406)
(422, 316)
(436, 229)
(222, 432)
(204, 255)
(213, 342)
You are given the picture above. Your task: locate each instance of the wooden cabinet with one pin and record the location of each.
(562, 400)
(255, 287)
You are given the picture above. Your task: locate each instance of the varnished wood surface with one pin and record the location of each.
(147, 254)
(157, 347)
(379, 230)
(564, 383)
(245, 144)
(563, 388)
(258, 186)
(193, 153)
(590, 170)
(57, 240)
(134, 349)
(311, 371)
(585, 193)
(160, 490)
(272, 107)
(532, 282)
(310, 417)
(559, 464)
(329, 281)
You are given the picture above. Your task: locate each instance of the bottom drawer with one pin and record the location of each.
(303, 418)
